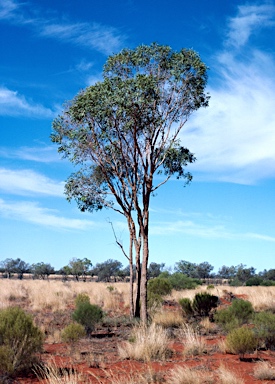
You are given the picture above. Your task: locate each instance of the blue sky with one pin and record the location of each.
(52, 49)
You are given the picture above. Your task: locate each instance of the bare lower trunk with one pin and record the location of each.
(132, 313)
(138, 281)
(143, 283)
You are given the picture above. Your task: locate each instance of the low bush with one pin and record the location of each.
(201, 305)
(238, 313)
(265, 328)
(240, 341)
(180, 281)
(20, 341)
(81, 298)
(88, 315)
(186, 305)
(157, 288)
(72, 333)
(267, 283)
(160, 286)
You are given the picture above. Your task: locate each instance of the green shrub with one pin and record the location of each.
(241, 341)
(203, 303)
(73, 332)
(267, 283)
(238, 313)
(254, 281)
(265, 328)
(180, 281)
(186, 305)
(20, 341)
(88, 315)
(81, 298)
(157, 288)
(160, 286)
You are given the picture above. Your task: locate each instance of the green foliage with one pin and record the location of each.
(88, 315)
(81, 298)
(237, 314)
(268, 283)
(186, 305)
(73, 332)
(160, 286)
(106, 270)
(254, 281)
(241, 341)
(157, 288)
(180, 281)
(265, 328)
(20, 340)
(203, 303)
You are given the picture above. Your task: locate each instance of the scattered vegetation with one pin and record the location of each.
(241, 341)
(201, 305)
(237, 314)
(20, 340)
(72, 333)
(87, 315)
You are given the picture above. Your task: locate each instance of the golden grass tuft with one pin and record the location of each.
(226, 376)
(168, 319)
(51, 374)
(147, 344)
(193, 342)
(264, 371)
(187, 375)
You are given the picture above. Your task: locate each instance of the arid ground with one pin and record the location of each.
(101, 358)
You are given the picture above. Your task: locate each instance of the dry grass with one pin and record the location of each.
(264, 371)
(262, 298)
(60, 294)
(187, 375)
(193, 342)
(52, 374)
(226, 376)
(147, 344)
(168, 318)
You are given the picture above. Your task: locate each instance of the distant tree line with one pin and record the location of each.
(113, 270)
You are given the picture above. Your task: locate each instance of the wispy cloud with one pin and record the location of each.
(41, 154)
(7, 8)
(234, 138)
(95, 36)
(249, 19)
(28, 182)
(204, 231)
(14, 104)
(33, 213)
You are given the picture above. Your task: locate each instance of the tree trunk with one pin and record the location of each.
(143, 283)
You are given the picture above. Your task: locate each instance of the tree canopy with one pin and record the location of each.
(123, 131)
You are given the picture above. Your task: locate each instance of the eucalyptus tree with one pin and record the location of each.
(124, 131)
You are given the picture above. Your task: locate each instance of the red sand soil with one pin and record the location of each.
(98, 360)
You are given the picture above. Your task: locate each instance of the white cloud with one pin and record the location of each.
(234, 138)
(102, 38)
(28, 182)
(7, 8)
(33, 213)
(205, 231)
(46, 154)
(94, 36)
(248, 20)
(13, 104)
